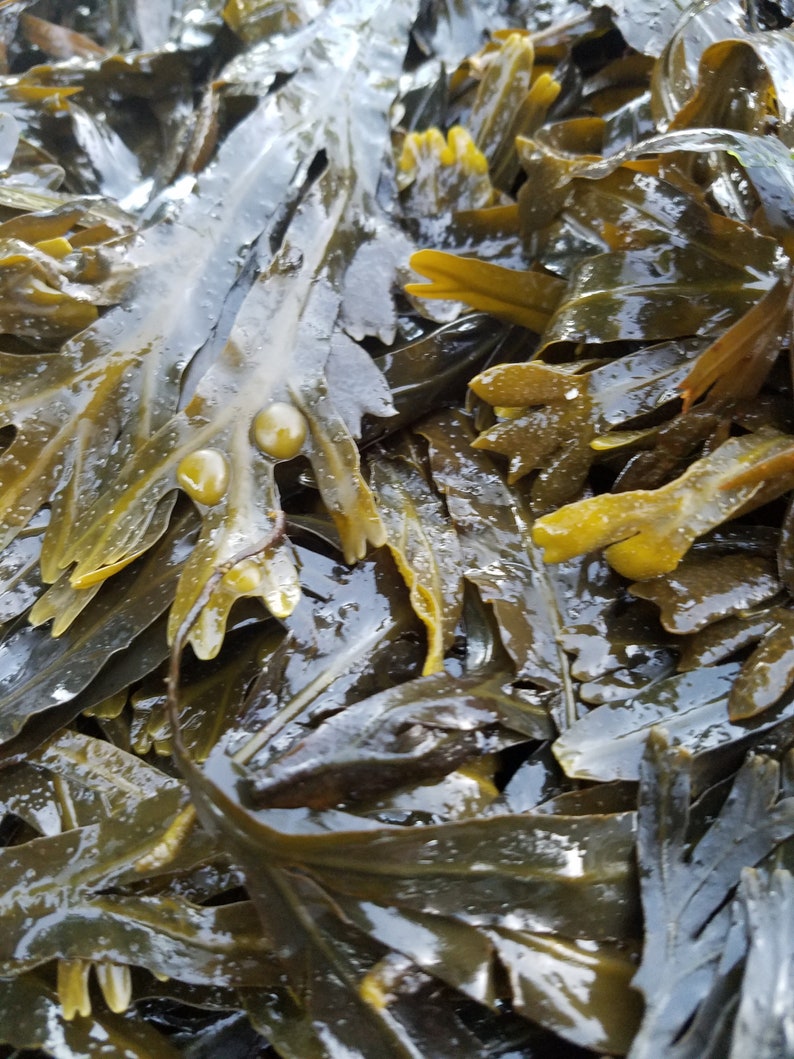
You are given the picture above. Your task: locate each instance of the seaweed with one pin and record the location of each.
(396, 638)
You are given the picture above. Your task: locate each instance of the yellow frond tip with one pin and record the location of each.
(102, 573)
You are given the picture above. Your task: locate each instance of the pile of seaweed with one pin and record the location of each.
(396, 436)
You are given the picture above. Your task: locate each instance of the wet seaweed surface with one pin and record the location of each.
(396, 441)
